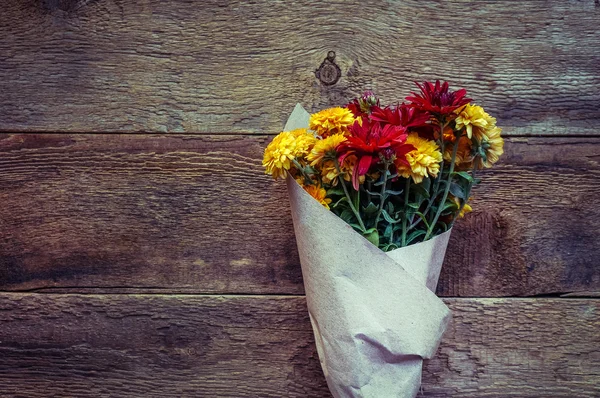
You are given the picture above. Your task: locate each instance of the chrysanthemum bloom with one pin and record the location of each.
(370, 140)
(464, 155)
(438, 99)
(491, 147)
(402, 115)
(331, 121)
(325, 149)
(304, 140)
(423, 161)
(329, 172)
(319, 194)
(284, 148)
(472, 117)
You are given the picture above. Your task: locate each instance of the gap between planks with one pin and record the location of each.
(591, 295)
(248, 133)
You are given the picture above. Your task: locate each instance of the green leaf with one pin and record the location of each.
(373, 193)
(337, 191)
(423, 218)
(389, 228)
(357, 227)
(457, 190)
(449, 205)
(389, 207)
(372, 236)
(370, 209)
(389, 218)
(414, 235)
(464, 175)
(394, 193)
(420, 190)
(389, 247)
(348, 216)
(336, 204)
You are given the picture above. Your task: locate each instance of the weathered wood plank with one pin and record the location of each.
(173, 346)
(196, 214)
(156, 66)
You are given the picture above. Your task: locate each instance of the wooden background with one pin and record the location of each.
(160, 261)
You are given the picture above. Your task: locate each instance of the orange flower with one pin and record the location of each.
(319, 194)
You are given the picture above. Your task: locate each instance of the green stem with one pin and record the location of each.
(430, 201)
(307, 177)
(446, 190)
(405, 218)
(439, 176)
(354, 210)
(468, 194)
(383, 197)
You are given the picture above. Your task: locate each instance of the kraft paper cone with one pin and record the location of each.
(373, 316)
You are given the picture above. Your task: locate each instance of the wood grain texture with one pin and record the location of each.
(201, 346)
(196, 214)
(229, 67)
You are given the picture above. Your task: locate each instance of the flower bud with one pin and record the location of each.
(367, 101)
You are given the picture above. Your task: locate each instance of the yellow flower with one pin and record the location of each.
(304, 141)
(284, 148)
(325, 148)
(301, 133)
(423, 161)
(466, 208)
(329, 172)
(473, 116)
(331, 121)
(319, 194)
(492, 146)
(463, 153)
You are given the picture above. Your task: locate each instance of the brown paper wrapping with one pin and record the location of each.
(374, 315)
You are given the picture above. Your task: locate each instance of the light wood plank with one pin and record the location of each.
(197, 214)
(228, 67)
(174, 346)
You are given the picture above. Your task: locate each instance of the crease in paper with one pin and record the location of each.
(374, 314)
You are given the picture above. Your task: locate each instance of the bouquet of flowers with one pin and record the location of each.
(375, 191)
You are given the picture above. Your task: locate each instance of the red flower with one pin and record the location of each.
(402, 115)
(371, 140)
(437, 99)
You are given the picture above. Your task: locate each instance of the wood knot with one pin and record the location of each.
(329, 73)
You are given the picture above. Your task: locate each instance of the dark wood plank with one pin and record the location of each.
(156, 66)
(129, 213)
(174, 346)
(535, 225)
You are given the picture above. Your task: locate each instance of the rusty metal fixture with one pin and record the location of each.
(329, 73)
